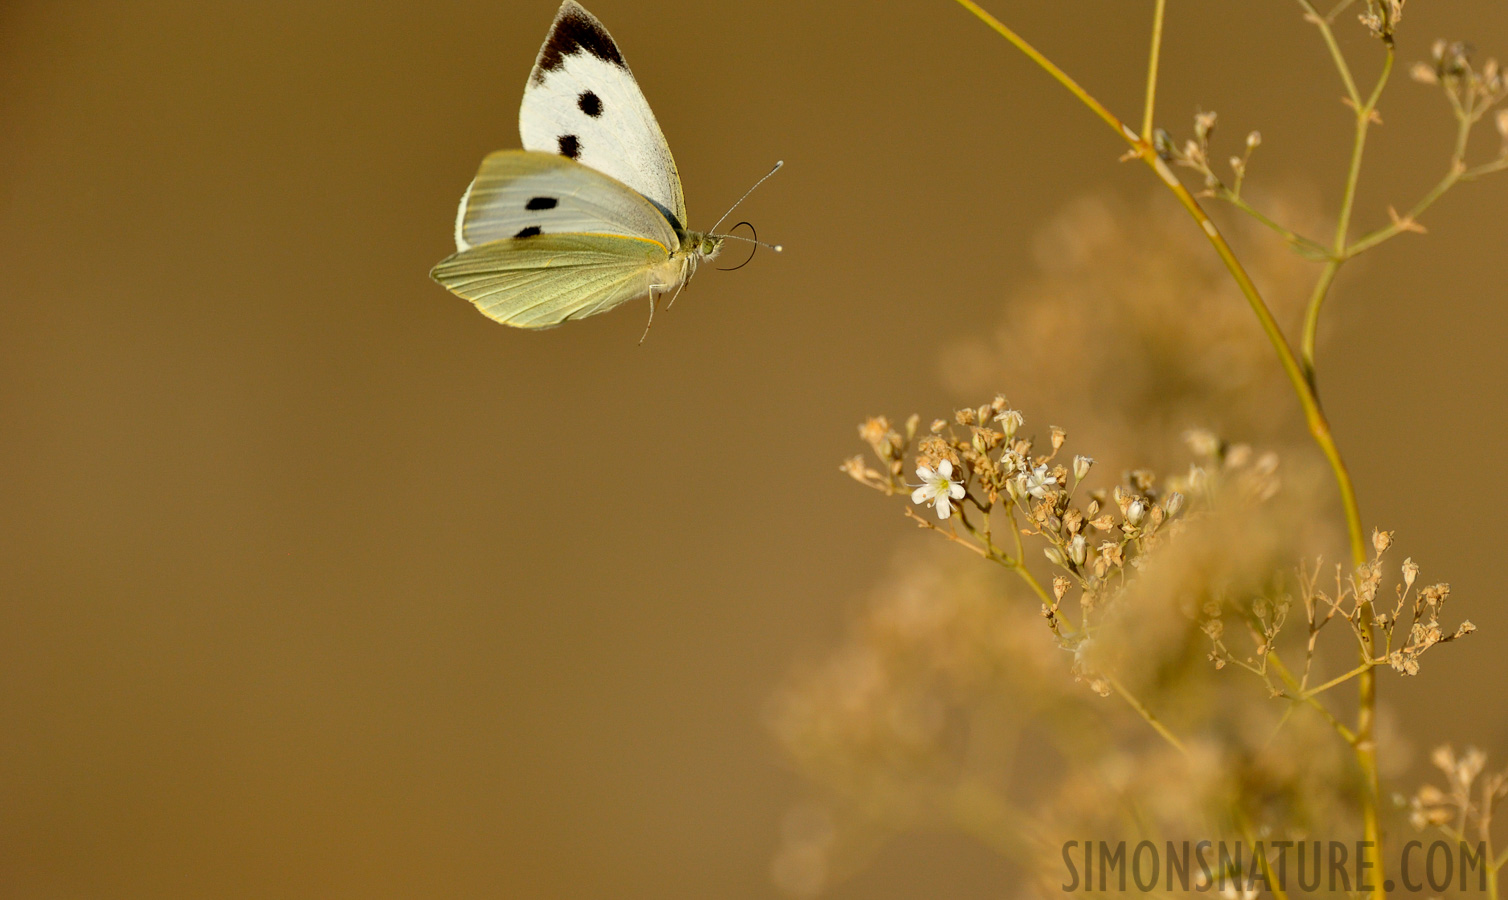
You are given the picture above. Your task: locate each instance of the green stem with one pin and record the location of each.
(1148, 715)
(1308, 246)
(1364, 113)
(1323, 24)
(1152, 61)
(1456, 173)
(1319, 426)
(1019, 567)
(1341, 679)
(1346, 734)
(1311, 316)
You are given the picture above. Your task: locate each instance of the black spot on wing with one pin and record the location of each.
(538, 203)
(590, 104)
(575, 30)
(570, 146)
(531, 231)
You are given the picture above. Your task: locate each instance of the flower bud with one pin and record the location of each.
(1010, 420)
(1081, 466)
(1078, 550)
(1136, 511)
(1173, 505)
(1054, 556)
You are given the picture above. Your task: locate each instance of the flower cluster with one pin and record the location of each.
(1463, 810)
(1472, 92)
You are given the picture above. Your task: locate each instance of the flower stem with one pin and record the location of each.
(1341, 679)
(1147, 714)
(1319, 426)
(1338, 253)
(1152, 61)
(1300, 376)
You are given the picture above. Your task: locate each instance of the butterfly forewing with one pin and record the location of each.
(517, 194)
(582, 102)
(544, 280)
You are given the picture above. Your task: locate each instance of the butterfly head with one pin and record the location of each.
(705, 246)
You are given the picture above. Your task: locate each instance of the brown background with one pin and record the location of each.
(318, 584)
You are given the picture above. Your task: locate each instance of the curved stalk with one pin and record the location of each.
(1300, 376)
(1319, 426)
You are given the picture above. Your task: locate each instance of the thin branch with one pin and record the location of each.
(1152, 61)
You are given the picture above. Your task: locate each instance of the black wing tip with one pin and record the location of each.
(574, 30)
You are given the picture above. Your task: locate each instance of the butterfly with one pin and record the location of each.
(590, 214)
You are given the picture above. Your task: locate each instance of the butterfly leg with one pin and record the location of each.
(685, 281)
(676, 294)
(651, 316)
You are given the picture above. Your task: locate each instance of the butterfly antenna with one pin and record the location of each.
(746, 196)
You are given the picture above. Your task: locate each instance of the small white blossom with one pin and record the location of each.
(938, 488)
(1010, 420)
(1081, 466)
(1037, 482)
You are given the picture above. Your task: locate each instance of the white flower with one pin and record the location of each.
(938, 488)
(1037, 482)
(1010, 420)
(1081, 466)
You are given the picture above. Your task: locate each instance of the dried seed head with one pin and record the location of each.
(1381, 541)
(964, 416)
(1058, 437)
(1410, 572)
(1060, 585)
(938, 425)
(1424, 73)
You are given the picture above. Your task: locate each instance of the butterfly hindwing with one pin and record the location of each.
(544, 280)
(582, 102)
(517, 193)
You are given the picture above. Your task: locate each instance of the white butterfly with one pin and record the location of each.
(589, 215)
